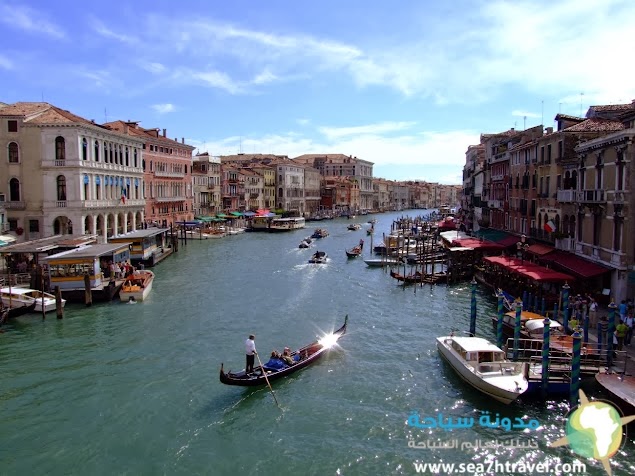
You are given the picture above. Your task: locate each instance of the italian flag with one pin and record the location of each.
(550, 227)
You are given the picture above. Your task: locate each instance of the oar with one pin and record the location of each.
(264, 372)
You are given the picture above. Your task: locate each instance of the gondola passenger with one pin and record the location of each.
(275, 362)
(286, 356)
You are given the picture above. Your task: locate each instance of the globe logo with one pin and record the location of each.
(594, 430)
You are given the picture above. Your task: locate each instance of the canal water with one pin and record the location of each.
(133, 388)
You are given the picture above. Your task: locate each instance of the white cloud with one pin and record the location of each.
(214, 79)
(264, 77)
(106, 32)
(303, 121)
(384, 127)
(163, 108)
(5, 62)
(155, 68)
(30, 20)
(518, 113)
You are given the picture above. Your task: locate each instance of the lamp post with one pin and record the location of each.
(521, 246)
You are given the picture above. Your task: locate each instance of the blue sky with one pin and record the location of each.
(407, 85)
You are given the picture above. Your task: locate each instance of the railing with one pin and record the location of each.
(13, 205)
(495, 203)
(565, 244)
(498, 177)
(616, 196)
(111, 203)
(60, 163)
(164, 173)
(60, 204)
(567, 196)
(591, 196)
(170, 199)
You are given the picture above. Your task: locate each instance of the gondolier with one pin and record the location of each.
(250, 350)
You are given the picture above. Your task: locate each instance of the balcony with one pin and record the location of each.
(495, 204)
(567, 196)
(166, 174)
(14, 205)
(497, 177)
(502, 157)
(110, 203)
(169, 199)
(212, 187)
(591, 196)
(615, 196)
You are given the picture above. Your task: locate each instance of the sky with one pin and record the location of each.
(406, 85)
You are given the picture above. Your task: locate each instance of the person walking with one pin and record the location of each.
(250, 351)
(629, 332)
(620, 332)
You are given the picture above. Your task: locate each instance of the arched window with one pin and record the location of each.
(110, 153)
(14, 153)
(127, 157)
(96, 151)
(136, 163)
(120, 161)
(14, 190)
(60, 148)
(61, 188)
(84, 149)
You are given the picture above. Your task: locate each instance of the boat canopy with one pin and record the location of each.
(530, 270)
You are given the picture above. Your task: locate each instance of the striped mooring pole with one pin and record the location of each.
(575, 369)
(499, 324)
(609, 335)
(473, 309)
(565, 306)
(519, 311)
(545, 356)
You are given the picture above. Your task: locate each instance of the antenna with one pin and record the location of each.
(106, 114)
(542, 112)
(524, 122)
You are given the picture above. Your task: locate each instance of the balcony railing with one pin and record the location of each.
(498, 177)
(616, 196)
(567, 196)
(60, 204)
(170, 199)
(591, 196)
(495, 203)
(110, 203)
(164, 173)
(14, 205)
(503, 156)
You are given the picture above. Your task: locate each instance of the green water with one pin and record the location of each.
(133, 389)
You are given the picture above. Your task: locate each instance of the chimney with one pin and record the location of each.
(182, 140)
(125, 127)
(549, 130)
(164, 132)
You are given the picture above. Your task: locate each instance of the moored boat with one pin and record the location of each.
(354, 226)
(302, 358)
(24, 295)
(385, 261)
(16, 304)
(137, 286)
(484, 366)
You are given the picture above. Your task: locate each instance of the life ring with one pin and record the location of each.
(19, 230)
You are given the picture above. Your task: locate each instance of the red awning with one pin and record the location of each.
(508, 241)
(540, 250)
(577, 265)
(477, 244)
(530, 270)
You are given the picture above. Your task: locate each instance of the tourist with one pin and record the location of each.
(286, 356)
(250, 351)
(620, 332)
(275, 362)
(622, 309)
(629, 323)
(593, 313)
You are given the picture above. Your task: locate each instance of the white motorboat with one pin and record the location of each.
(484, 366)
(385, 261)
(319, 257)
(26, 296)
(137, 286)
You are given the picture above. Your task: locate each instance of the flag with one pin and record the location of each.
(550, 227)
(123, 195)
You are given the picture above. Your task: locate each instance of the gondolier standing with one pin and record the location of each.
(250, 350)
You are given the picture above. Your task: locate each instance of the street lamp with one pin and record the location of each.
(521, 246)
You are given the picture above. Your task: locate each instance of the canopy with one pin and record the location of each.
(578, 266)
(248, 214)
(477, 244)
(7, 240)
(527, 269)
(539, 249)
(236, 214)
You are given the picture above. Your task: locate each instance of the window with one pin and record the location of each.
(13, 224)
(34, 226)
(84, 149)
(96, 151)
(14, 190)
(12, 126)
(60, 148)
(61, 188)
(14, 154)
(136, 164)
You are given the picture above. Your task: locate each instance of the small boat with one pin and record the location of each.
(354, 226)
(302, 357)
(137, 286)
(376, 262)
(370, 231)
(320, 233)
(484, 366)
(354, 252)
(622, 388)
(18, 302)
(304, 244)
(416, 277)
(42, 299)
(319, 257)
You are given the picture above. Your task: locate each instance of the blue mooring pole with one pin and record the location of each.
(545, 356)
(519, 310)
(565, 306)
(609, 335)
(499, 324)
(575, 369)
(555, 312)
(473, 309)
(525, 300)
(600, 339)
(544, 308)
(585, 320)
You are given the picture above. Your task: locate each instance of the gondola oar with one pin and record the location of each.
(264, 372)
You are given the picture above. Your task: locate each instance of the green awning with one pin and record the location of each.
(205, 219)
(236, 214)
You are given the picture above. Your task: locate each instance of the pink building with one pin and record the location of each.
(167, 171)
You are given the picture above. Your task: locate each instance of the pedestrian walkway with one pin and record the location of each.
(628, 349)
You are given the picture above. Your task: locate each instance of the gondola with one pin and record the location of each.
(354, 252)
(18, 310)
(303, 358)
(415, 277)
